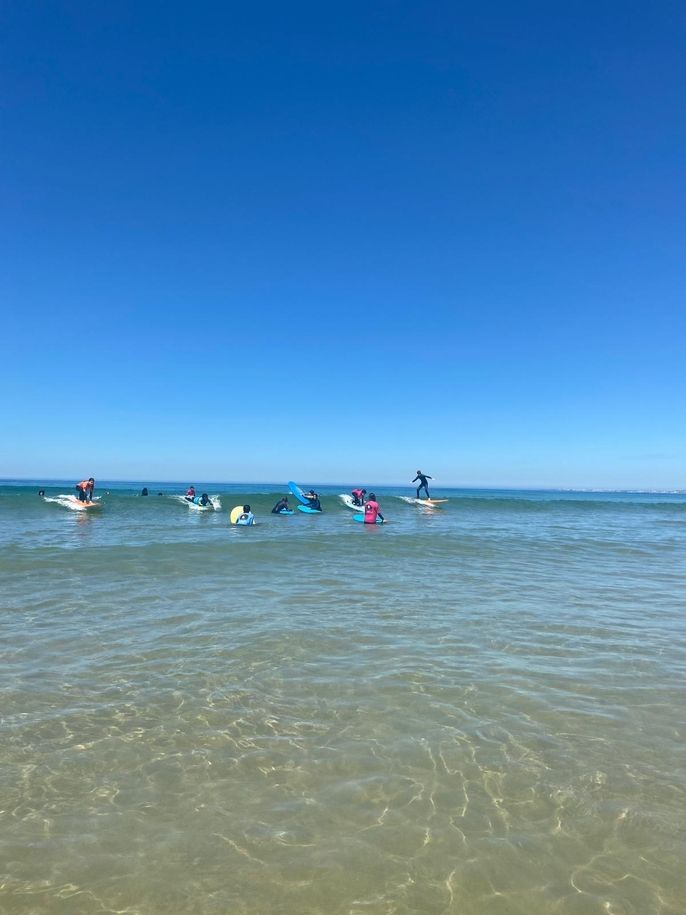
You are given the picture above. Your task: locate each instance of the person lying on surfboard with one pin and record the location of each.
(313, 500)
(281, 506)
(422, 477)
(358, 496)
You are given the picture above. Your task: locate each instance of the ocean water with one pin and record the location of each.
(478, 709)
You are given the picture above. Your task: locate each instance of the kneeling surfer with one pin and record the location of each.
(281, 506)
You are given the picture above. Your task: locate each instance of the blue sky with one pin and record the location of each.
(341, 243)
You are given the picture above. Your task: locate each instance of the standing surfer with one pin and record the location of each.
(85, 489)
(358, 496)
(422, 477)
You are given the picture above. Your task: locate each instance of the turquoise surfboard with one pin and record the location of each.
(298, 493)
(361, 519)
(308, 510)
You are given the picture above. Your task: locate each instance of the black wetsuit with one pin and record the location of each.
(314, 503)
(422, 477)
(281, 506)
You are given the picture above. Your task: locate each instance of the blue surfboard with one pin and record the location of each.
(298, 493)
(287, 511)
(308, 510)
(361, 519)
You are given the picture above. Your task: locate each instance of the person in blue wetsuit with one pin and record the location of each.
(422, 477)
(281, 506)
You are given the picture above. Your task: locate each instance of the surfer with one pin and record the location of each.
(41, 493)
(281, 506)
(190, 493)
(313, 500)
(422, 477)
(204, 499)
(246, 517)
(372, 510)
(144, 491)
(85, 489)
(358, 496)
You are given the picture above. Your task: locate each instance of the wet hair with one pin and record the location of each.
(41, 492)
(91, 480)
(246, 508)
(372, 497)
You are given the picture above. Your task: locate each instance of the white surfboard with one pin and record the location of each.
(74, 504)
(348, 502)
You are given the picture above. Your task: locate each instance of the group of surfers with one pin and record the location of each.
(190, 496)
(370, 506)
(368, 503)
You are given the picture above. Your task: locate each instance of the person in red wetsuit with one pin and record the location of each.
(372, 510)
(358, 496)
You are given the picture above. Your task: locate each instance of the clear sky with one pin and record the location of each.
(343, 241)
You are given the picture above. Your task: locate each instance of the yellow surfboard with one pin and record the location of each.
(236, 513)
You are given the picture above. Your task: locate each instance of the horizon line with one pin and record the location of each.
(490, 487)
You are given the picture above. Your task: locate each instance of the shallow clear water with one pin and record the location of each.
(477, 709)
